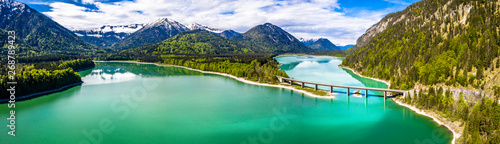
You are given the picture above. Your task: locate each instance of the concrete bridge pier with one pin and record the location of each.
(366, 93)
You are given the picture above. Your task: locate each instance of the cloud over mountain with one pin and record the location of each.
(302, 18)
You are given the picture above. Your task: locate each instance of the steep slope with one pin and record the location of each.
(451, 42)
(40, 33)
(107, 35)
(453, 45)
(320, 44)
(151, 33)
(268, 38)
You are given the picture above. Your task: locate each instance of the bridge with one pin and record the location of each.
(302, 83)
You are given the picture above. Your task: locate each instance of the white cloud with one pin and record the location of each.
(302, 18)
(88, 1)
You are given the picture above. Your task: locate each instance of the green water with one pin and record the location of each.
(137, 103)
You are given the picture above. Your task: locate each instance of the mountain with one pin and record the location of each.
(229, 33)
(345, 47)
(225, 33)
(307, 42)
(151, 33)
(268, 38)
(450, 42)
(107, 35)
(196, 26)
(194, 42)
(320, 44)
(40, 34)
(204, 42)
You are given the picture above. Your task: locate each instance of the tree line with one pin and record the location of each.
(39, 76)
(429, 48)
(481, 118)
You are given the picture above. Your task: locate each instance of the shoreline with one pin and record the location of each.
(413, 108)
(355, 72)
(424, 113)
(291, 55)
(233, 77)
(42, 93)
(416, 110)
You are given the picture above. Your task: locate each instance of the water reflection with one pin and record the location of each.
(289, 66)
(366, 81)
(113, 72)
(109, 74)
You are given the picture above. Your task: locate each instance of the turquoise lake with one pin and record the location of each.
(144, 103)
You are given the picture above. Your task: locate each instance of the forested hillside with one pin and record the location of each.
(38, 34)
(248, 55)
(151, 33)
(256, 67)
(201, 42)
(203, 50)
(440, 43)
(268, 38)
(321, 44)
(44, 75)
(479, 120)
(432, 41)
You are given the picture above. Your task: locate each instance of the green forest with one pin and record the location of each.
(441, 43)
(199, 42)
(203, 50)
(45, 75)
(255, 67)
(481, 119)
(260, 68)
(430, 48)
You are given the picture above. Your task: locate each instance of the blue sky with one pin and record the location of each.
(342, 21)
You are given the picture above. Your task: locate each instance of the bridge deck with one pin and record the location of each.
(341, 86)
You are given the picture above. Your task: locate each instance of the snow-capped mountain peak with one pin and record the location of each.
(121, 28)
(108, 34)
(308, 39)
(12, 6)
(202, 27)
(128, 29)
(168, 23)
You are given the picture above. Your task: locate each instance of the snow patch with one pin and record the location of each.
(167, 23)
(195, 26)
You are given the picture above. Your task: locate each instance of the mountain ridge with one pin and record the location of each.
(272, 39)
(151, 33)
(320, 44)
(41, 34)
(107, 35)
